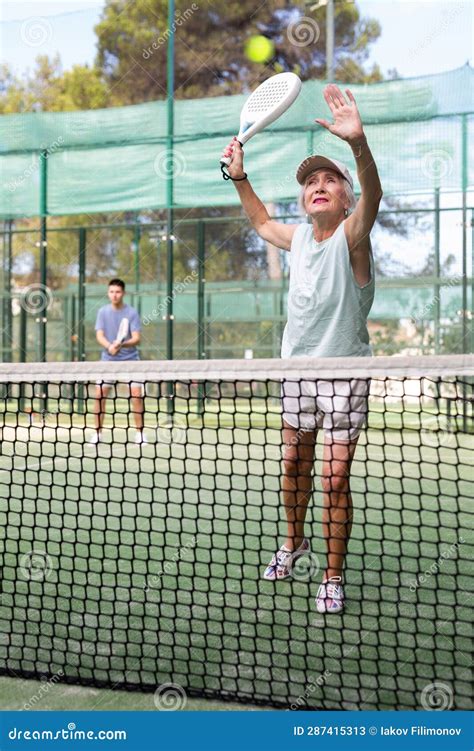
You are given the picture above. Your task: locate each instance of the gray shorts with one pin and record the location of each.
(339, 407)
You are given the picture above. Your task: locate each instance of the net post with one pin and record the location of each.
(43, 307)
(201, 319)
(136, 262)
(437, 286)
(22, 351)
(73, 338)
(448, 415)
(464, 321)
(81, 313)
(67, 324)
(471, 349)
(170, 195)
(43, 163)
(7, 337)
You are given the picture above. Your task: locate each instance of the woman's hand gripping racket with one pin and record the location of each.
(265, 105)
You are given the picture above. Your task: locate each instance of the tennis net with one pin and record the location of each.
(139, 565)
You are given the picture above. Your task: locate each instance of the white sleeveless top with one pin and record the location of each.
(327, 309)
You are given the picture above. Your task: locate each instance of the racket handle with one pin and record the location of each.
(226, 160)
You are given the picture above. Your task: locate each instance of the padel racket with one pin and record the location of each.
(123, 332)
(265, 105)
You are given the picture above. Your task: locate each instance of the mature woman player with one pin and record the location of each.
(330, 296)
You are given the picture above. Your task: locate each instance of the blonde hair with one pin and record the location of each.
(350, 195)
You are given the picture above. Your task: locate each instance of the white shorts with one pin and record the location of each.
(131, 385)
(339, 407)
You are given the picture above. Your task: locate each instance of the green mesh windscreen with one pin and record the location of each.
(135, 556)
(115, 159)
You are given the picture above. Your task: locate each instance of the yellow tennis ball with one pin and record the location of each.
(259, 49)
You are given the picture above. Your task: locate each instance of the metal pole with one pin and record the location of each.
(42, 312)
(201, 320)
(437, 286)
(464, 263)
(330, 40)
(4, 292)
(9, 278)
(170, 198)
(81, 312)
(82, 295)
(73, 356)
(67, 324)
(201, 352)
(7, 333)
(136, 261)
(42, 320)
(464, 234)
(22, 354)
(169, 180)
(472, 282)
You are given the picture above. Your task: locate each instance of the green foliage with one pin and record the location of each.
(387, 337)
(50, 89)
(210, 41)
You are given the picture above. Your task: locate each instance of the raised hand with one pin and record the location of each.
(347, 123)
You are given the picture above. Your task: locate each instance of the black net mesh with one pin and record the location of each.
(135, 557)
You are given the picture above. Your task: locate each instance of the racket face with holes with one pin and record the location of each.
(122, 333)
(266, 104)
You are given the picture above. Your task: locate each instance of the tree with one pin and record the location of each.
(210, 40)
(49, 89)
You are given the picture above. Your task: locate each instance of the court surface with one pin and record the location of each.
(135, 566)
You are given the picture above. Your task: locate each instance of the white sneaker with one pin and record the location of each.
(95, 438)
(330, 597)
(140, 437)
(281, 565)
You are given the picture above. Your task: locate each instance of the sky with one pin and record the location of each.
(418, 38)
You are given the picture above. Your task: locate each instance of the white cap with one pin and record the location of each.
(312, 163)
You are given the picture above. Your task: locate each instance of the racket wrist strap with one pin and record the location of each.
(226, 176)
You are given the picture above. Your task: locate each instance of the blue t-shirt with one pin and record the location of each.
(109, 320)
